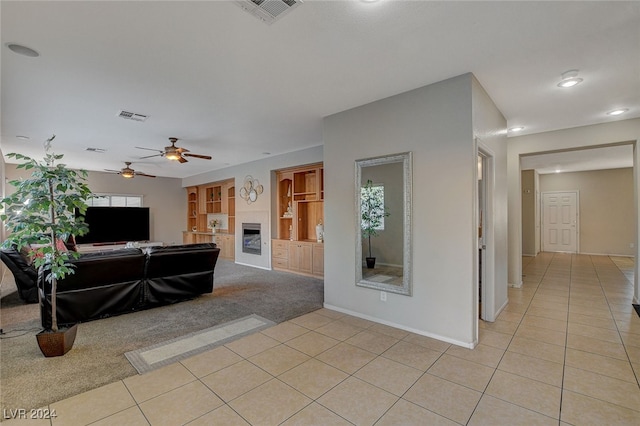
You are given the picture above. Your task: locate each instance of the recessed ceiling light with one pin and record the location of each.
(22, 137)
(22, 50)
(618, 111)
(569, 79)
(516, 129)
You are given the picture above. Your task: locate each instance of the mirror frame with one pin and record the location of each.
(406, 159)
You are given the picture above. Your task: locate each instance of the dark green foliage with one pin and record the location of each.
(42, 211)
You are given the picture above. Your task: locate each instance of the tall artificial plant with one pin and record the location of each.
(41, 213)
(373, 210)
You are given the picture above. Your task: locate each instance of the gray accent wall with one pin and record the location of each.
(435, 123)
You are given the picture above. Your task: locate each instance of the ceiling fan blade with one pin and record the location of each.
(182, 160)
(149, 149)
(112, 171)
(204, 157)
(144, 174)
(155, 155)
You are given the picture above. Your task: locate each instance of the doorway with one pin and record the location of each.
(484, 272)
(560, 221)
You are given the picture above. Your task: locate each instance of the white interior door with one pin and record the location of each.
(560, 221)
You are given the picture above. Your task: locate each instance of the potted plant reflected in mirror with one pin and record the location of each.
(373, 212)
(40, 216)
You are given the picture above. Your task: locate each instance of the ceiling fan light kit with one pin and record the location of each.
(174, 153)
(128, 173)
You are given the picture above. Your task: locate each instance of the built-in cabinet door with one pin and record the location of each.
(300, 257)
(318, 259)
(294, 256)
(226, 244)
(305, 256)
(230, 246)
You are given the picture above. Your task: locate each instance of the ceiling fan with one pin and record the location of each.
(128, 172)
(174, 152)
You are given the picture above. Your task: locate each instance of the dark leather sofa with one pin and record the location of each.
(127, 280)
(24, 273)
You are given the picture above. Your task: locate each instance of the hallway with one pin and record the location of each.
(572, 340)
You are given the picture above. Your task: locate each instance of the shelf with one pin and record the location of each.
(299, 191)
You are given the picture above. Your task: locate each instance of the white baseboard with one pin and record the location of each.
(607, 254)
(401, 327)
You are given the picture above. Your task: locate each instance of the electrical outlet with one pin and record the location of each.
(383, 296)
(632, 245)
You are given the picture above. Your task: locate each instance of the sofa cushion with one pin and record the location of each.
(104, 268)
(183, 259)
(176, 273)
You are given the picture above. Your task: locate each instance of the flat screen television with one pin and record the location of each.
(115, 225)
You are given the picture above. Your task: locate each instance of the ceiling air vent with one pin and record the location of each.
(131, 116)
(268, 10)
(98, 150)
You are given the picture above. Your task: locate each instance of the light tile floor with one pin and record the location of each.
(565, 351)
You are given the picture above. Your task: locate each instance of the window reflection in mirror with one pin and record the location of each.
(383, 211)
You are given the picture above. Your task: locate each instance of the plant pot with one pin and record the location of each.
(371, 262)
(57, 343)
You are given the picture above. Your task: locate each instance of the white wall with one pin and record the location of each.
(164, 196)
(256, 211)
(489, 129)
(595, 135)
(607, 223)
(435, 123)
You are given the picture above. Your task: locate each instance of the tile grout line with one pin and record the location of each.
(566, 339)
(624, 345)
(505, 351)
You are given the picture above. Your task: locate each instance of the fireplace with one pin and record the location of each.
(251, 242)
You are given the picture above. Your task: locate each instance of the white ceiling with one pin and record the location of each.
(610, 157)
(233, 87)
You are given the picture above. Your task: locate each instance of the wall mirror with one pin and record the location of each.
(383, 211)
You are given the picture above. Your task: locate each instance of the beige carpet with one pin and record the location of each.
(29, 380)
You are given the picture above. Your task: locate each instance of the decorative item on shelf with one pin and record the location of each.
(194, 228)
(251, 189)
(289, 212)
(213, 224)
(320, 232)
